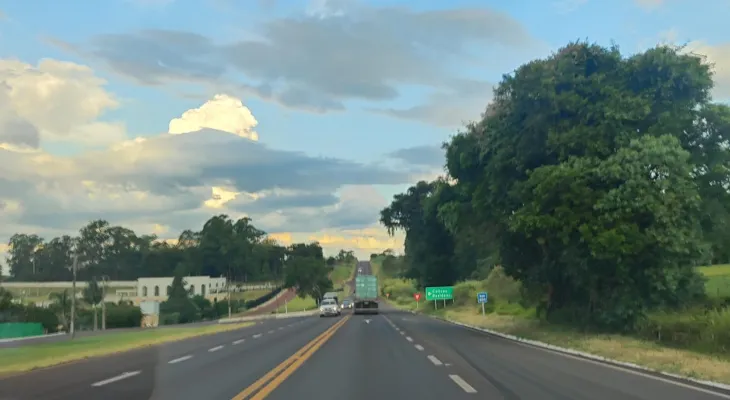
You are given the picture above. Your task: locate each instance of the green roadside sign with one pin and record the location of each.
(439, 293)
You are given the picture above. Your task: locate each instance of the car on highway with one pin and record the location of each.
(329, 307)
(347, 303)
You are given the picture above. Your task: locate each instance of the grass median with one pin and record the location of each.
(26, 358)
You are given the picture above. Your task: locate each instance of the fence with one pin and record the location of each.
(10, 330)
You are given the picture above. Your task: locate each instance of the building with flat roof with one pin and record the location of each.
(159, 288)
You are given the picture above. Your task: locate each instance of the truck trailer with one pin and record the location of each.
(366, 294)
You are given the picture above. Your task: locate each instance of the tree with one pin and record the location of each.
(598, 181)
(93, 294)
(235, 249)
(306, 270)
(179, 307)
(61, 306)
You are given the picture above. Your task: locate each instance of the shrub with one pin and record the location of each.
(465, 293)
(123, 316)
(44, 316)
(697, 329)
(501, 287)
(399, 289)
(261, 299)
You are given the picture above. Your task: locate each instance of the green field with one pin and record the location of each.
(298, 304)
(26, 358)
(718, 280)
(341, 273)
(248, 294)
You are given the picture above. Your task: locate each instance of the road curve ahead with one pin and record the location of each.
(392, 355)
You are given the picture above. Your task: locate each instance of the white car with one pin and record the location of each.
(329, 307)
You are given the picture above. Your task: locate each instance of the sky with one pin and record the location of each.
(305, 115)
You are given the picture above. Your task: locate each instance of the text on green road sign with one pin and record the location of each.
(439, 293)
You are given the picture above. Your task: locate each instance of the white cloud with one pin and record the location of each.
(54, 101)
(210, 162)
(336, 51)
(223, 113)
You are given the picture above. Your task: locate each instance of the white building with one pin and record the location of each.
(153, 288)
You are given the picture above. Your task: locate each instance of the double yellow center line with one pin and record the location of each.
(267, 383)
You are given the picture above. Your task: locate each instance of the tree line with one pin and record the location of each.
(223, 247)
(236, 250)
(599, 181)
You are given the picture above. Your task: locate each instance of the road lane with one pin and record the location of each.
(179, 379)
(365, 361)
(502, 369)
(393, 355)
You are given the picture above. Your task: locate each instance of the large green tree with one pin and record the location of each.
(598, 180)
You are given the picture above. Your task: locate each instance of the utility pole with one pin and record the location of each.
(228, 289)
(104, 281)
(72, 326)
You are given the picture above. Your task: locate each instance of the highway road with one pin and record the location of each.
(394, 355)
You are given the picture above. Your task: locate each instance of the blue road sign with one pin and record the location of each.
(482, 297)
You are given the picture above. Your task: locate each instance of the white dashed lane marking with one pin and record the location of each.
(238, 341)
(408, 338)
(462, 384)
(180, 359)
(256, 336)
(435, 360)
(216, 348)
(419, 347)
(116, 378)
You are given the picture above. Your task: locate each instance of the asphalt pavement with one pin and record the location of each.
(393, 355)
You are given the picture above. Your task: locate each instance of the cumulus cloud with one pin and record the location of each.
(209, 162)
(338, 51)
(54, 101)
(224, 113)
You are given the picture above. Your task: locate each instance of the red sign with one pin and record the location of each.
(417, 296)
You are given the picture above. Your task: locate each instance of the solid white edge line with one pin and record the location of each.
(116, 378)
(462, 384)
(606, 362)
(216, 348)
(180, 359)
(419, 347)
(435, 360)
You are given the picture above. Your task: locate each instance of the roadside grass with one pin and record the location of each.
(341, 273)
(26, 358)
(298, 304)
(718, 280)
(248, 294)
(345, 291)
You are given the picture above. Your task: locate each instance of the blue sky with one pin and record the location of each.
(323, 85)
